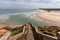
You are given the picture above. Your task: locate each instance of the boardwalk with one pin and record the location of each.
(28, 35)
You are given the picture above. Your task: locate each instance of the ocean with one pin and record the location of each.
(13, 11)
(20, 17)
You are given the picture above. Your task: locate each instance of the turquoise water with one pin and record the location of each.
(20, 19)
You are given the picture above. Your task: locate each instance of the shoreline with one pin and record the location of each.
(49, 17)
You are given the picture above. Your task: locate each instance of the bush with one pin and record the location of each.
(15, 32)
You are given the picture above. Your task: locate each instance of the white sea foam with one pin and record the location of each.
(6, 16)
(27, 14)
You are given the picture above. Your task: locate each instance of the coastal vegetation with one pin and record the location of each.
(15, 32)
(49, 30)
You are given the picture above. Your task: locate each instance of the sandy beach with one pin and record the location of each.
(2, 26)
(52, 17)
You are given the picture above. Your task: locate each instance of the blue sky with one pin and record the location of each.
(29, 4)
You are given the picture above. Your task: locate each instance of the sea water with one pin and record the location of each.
(20, 17)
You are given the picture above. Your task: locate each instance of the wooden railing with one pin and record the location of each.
(5, 36)
(47, 37)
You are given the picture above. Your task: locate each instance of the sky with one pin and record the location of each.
(29, 4)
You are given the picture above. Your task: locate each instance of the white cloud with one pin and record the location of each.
(29, 3)
(56, 0)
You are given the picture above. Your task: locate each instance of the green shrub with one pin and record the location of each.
(15, 32)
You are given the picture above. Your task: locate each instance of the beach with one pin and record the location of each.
(52, 17)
